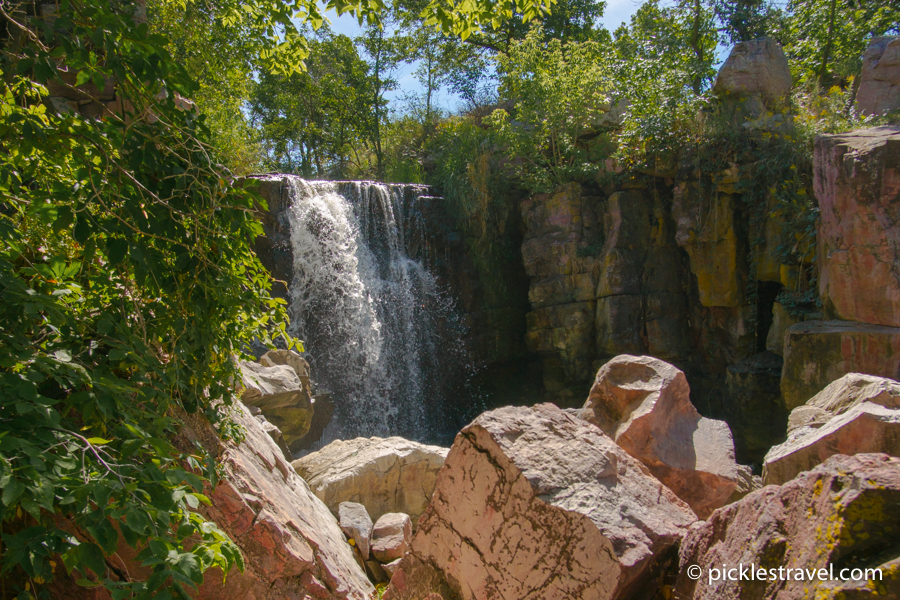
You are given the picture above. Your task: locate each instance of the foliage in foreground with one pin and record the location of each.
(128, 287)
(127, 282)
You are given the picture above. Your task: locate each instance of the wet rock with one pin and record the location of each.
(383, 474)
(534, 503)
(856, 178)
(357, 525)
(644, 404)
(819, 352)
(755, 68)
(879, 82)
(842, 514)
(281, 396)
(753, 407)
(391, 537)
(855, 414)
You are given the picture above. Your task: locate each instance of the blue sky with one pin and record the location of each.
(617, 11)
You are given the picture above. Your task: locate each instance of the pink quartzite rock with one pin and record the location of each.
(819, 352)
(292, 546)
(391, 537)
(857, 184)
(755, 67)
(290, 540)
(879, 82)
(535, 503)
(855, 414)
(843, 513)
(644, 404)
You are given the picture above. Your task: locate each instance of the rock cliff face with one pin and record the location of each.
(857, 184)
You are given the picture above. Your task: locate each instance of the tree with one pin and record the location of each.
(744, 20)
(383, 55)
(313, 123)
(128, 286)
(562, 94)
(825, 39)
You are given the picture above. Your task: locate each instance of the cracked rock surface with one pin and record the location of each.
(385, 475)
(535, 503)
(644, 404)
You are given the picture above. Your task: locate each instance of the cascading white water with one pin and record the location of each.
(374, 320)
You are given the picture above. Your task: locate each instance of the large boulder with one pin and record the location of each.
(841, 515)
(879, 82)
(819, 352)
(855, 181)
(386, 475)
(644, 404)
(843, 394)
(855, 414)
(279, 393)
(755, 68)
(291, 359)
(535, 503)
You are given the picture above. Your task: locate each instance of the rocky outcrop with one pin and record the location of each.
(755, 68)
(386, 475)
(855, 414)
(879, 82)
(607, 278)
(857, 184)
(280, 394)
(818, 352)
(534, 503)
(644, 404)
(292, 545)
(841, 515)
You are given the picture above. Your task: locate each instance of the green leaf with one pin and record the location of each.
(92, 557)
(11, 492)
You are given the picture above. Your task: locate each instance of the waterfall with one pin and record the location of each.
(380, 332)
